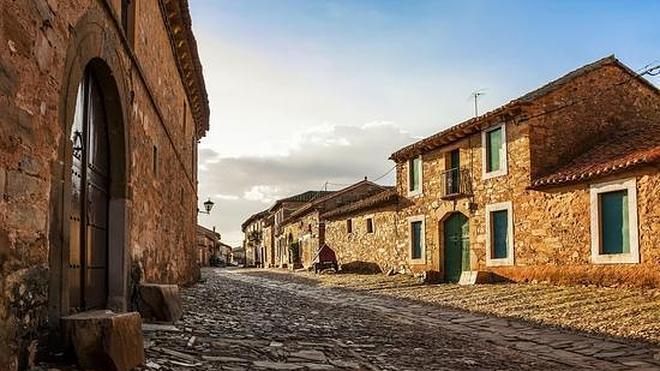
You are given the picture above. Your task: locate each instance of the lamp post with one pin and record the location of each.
(208, 205)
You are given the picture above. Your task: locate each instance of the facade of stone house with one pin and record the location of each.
(238, 255)
(253, 240)
(208, 245)
(306, 227)
(224, 253)
(269, 245)
(102, 103)
(560, 184)
(367, 231)
(282, 239)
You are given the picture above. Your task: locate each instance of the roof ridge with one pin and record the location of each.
(467, 126)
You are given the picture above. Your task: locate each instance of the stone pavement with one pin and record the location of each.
(245, 320)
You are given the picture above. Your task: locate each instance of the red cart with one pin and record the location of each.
(325, 258)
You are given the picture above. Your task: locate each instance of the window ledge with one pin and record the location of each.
(629, 258)
(499, 262)
(494, 174)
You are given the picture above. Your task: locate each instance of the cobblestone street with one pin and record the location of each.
(246, 319)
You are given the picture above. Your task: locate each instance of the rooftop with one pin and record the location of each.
(509, 109)
(387, 197)
(622, 152)
(176, 16)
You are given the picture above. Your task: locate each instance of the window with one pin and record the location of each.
(128, 8)
(185, 117)
(499, 234)
(417, 245)
(614, 236)
(415, 175)
(494, 152)
(349, 226)
(370, 225)
(155, 161)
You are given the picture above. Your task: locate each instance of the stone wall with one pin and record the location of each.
(269, 250)
(383, 247)
(46, 46)
(309, 239)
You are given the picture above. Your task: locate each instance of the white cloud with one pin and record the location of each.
(338, 154)
(262, 193)
(225, 197)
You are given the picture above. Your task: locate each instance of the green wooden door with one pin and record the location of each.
(456, 247)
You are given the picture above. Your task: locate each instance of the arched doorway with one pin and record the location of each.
(90, 195)
(456, 238)
(94, 94)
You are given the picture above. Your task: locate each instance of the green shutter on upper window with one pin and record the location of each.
(493, 149)
(500, 228)
(614, 223)
(415, 168)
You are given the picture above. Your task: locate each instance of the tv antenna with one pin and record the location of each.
(475, 95)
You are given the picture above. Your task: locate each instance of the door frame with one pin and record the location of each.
(92, 47)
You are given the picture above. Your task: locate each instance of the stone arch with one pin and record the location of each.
(94, 48)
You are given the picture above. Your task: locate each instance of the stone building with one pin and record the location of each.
(367, 232)
(560, 184)
(102, 103)
(253, 241)
(268, 237)
(282, 240)
(224, 253)
(208, 245)
(306, 226)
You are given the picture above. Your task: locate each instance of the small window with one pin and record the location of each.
(370, 225)
(416, 240)
(499, 225)
(128, 10)
(155, 161)
(614, 224)
(185, 117)
(494, 152)
(349, 226)
(415, 175)
(614, 236)
(499, 234)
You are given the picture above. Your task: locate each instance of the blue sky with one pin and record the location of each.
(296, 86)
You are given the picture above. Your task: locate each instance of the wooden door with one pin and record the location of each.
(88, 262)
(456, 246)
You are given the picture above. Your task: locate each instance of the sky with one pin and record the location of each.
(307, 94)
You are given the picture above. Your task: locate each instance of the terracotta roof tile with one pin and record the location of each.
(623, 152)
(387, 197)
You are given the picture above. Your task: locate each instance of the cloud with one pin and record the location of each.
(339, 154)
(263, 193)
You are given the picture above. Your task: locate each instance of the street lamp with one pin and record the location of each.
(208, 205)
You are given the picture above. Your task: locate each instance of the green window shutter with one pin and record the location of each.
(493, 149)
(500, 228)
(416, 234)
(614, 223)
(414, 166)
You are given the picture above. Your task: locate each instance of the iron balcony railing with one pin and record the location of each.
(456, 183)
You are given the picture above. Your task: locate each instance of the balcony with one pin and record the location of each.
(456, 183)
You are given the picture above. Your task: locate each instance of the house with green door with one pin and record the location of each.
(561, 184)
